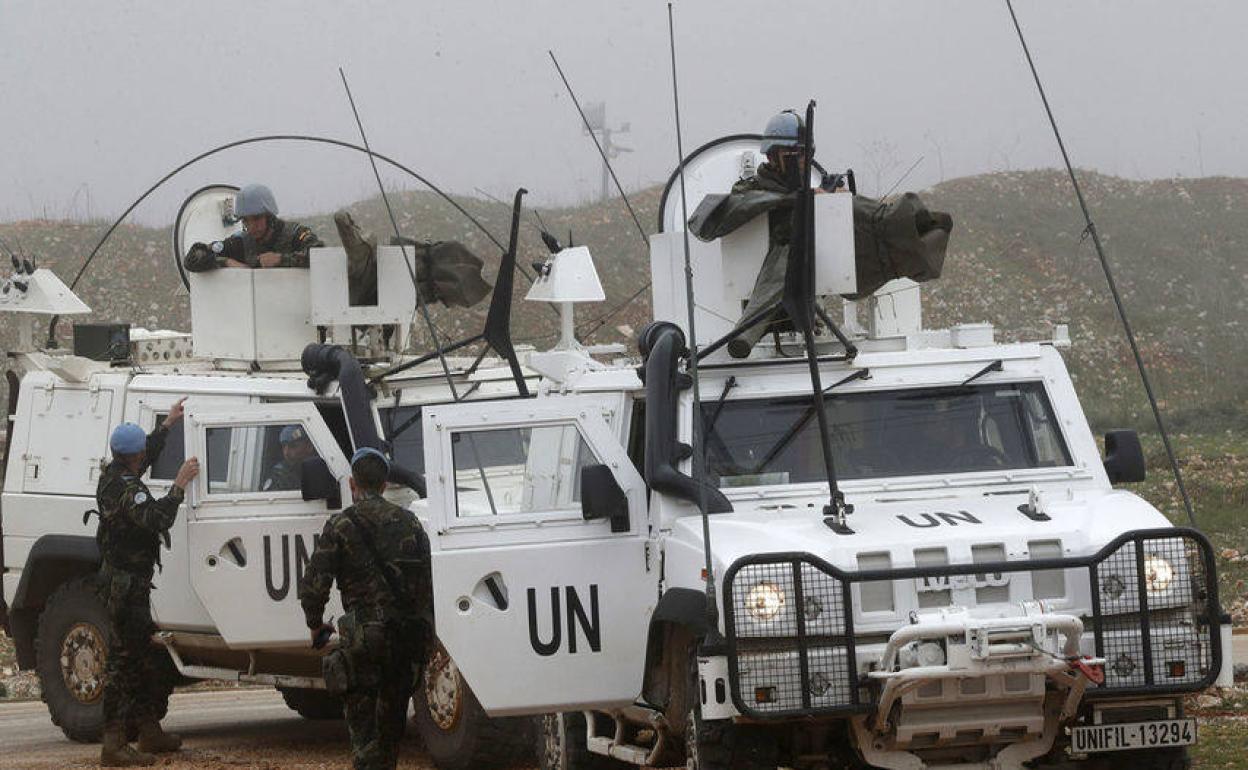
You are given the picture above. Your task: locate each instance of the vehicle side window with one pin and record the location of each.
(166, 466)
(257, 458)
(519, 470)
(637, 436)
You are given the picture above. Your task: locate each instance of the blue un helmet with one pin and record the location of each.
(127, 439)
(368, 451)
(291, 434)
(784, 130)
(253, 200)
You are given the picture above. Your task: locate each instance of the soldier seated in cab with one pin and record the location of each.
(287, 473)
(266, 240)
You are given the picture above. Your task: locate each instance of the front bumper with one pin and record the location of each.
(807, 661)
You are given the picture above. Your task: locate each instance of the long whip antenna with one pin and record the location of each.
(588, 128)
(420, 305)
(697, 440)
(1109, 275)
(902, 178)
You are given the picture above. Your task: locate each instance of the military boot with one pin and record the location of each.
(154, 740)
(115, 752)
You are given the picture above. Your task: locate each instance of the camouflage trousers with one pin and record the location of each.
(135, 686)
(377, 716)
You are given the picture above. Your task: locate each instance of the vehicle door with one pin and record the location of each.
(250, 533)
(542, 609)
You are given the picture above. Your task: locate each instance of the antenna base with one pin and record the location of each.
(836, 515)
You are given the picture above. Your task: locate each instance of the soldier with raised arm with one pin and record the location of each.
(132, 523)
(379, 555)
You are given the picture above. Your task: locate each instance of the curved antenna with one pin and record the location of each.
(51, 342)
(1109, 275)
(798, 302)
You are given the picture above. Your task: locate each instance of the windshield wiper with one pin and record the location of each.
(709, 427)
(791, 434)
(861, 374)
(995, 366)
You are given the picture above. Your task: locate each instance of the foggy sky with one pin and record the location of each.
(99, 99)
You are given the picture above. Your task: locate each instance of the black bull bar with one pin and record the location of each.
(805, 663)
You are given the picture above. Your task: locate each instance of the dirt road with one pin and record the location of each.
(230, 729)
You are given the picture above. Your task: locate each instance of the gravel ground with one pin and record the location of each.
(227, 729)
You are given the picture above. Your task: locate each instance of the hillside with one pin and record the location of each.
(1016, 259)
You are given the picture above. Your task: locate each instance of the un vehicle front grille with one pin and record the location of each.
(791, 646)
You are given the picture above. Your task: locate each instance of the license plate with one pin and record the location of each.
(1133, 735)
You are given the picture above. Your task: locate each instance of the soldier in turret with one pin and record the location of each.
(897, 238)
(132, 523)
(266, 240)
(772, 191)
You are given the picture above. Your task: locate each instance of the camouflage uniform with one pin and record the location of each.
(767, 191)
(290, 239)
(283, 476)
(396, 631)
(131, 525)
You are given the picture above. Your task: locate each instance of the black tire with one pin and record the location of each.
(316, 705)
(455, 729)
(71, 647)
(720, 744)
(561, 745)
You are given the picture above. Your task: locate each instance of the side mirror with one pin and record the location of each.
(317, 482)
(1124, 457)
(602, 498)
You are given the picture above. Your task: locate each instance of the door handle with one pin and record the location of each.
(492, 590)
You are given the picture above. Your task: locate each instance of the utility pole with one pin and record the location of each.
(596, 116)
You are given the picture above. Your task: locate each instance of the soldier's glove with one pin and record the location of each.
(199, 258)
(832, 182)
(321, 636)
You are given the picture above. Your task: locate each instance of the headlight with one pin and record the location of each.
(1157, 573)
(765, 601)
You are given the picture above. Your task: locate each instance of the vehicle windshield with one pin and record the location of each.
(401, 428)
(883, 434)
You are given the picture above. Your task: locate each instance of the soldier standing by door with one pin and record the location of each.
(379, 554)
(132, 523)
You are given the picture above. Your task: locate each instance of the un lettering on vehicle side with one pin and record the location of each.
(302, 554)
(588, 623)
(940, 517)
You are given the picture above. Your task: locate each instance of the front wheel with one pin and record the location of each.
(70, 652)
(456, 731)
(720, 744)
(561, 745)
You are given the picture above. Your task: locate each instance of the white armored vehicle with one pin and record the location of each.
(978, 595)
(966, 591)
